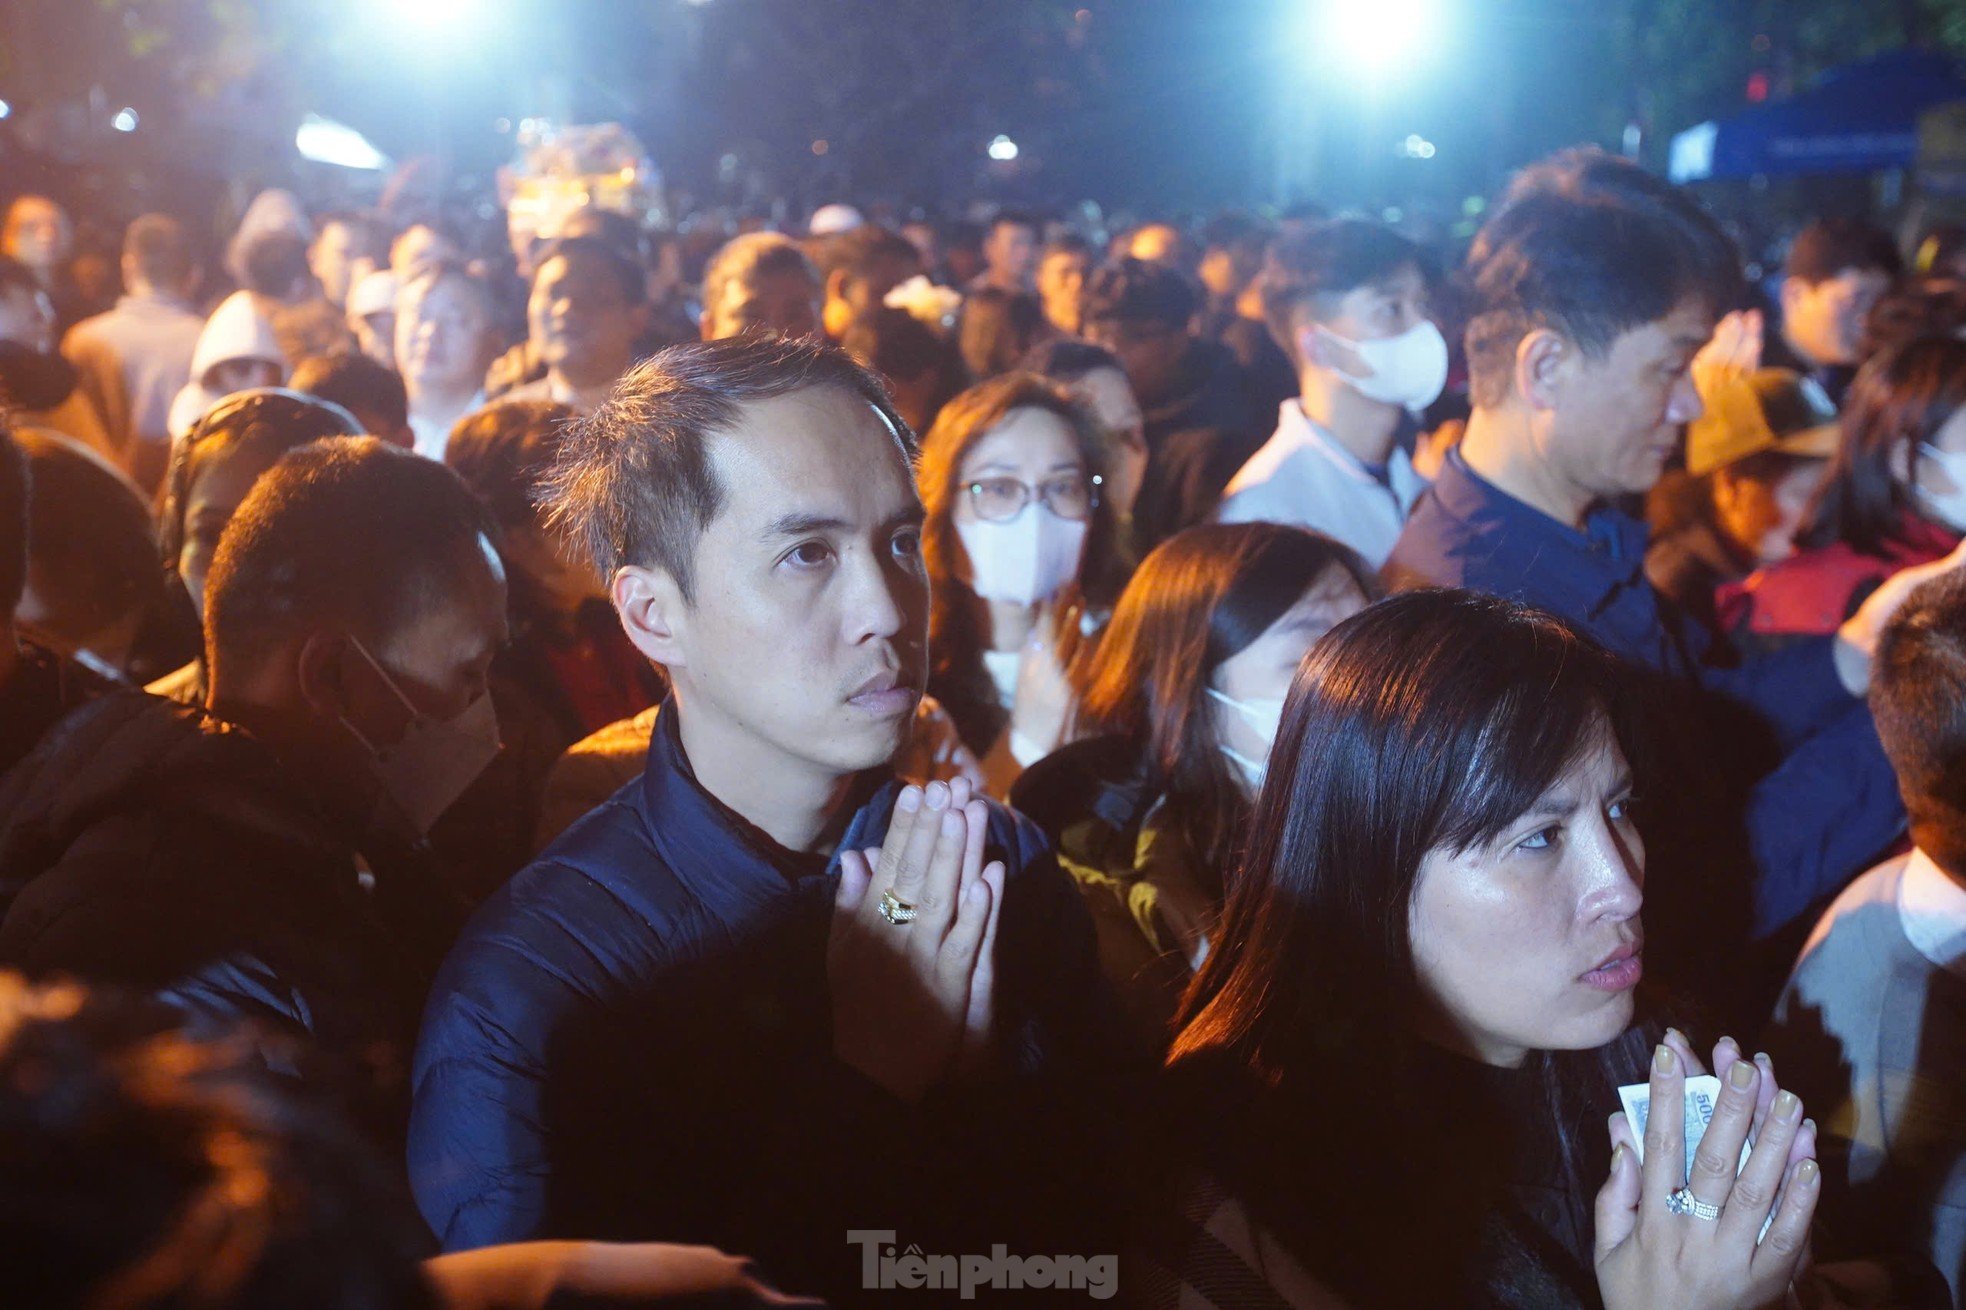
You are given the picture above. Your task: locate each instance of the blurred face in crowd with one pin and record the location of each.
(1060, 275)
(375, 335)
(1110, 397)
(850, 297)
(1011, 251)
(441, 328)
(230, 375)
(1158, 243)
(27, 318)
(1530, 942)
(332, 260)
(1606, 427)
(38, 234)
(1762, 506)
(1150, 352)
(783, 300)
(922, 236)
(214, 496)
(806, 638)
(1824, 320)
(420, 245)
(582, 319)
(1262, 670)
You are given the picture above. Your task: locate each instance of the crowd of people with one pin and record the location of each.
(1201, 764)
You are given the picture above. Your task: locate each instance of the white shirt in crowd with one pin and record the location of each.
(1302, 475)
(432, 436)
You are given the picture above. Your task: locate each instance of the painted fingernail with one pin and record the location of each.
(1808, 1125)
(1786, 1104)
(938, 795)
(1807, 1173)
(909, 800)
(1662, 1059)
(1617, 1156)
(1741, 1076)
(1731, 1044)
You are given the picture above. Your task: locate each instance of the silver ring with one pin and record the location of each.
(1683, 1201)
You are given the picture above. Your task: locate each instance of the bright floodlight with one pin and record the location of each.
(125, 120)
(1003, 149)
(5, 109)
(327, 142)
(432, 15)
(1373, 36)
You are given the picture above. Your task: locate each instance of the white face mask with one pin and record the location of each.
(1264, 717)
(1950, 507)
(1409, 369)
(436, 759)
(1025, 559)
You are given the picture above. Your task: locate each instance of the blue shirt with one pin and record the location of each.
(1820, 816)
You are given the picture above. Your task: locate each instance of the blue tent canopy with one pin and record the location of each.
(1858, 118)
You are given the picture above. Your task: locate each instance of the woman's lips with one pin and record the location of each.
(1619, 973)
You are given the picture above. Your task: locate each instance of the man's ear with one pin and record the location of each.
(653, 612)
(1542, 360)
(836, 285)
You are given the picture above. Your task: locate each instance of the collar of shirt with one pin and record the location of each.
(731, 865)
(1580, 574)
(153, 302)
(1932, 908)
(1296, 429)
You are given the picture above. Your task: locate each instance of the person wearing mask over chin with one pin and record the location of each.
(1347, 300)
(1019, 548)
(1176, 713)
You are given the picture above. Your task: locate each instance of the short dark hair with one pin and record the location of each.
(158, 246)
(1325, 262)
(272, 262)
(751, 255)
(1068, 243)
(1591, 270)
(1014, 218)
(633, 481)
(861, 251)
(1593, 174)
(361, 385)
(1068, 359)
(1918, 698)
(13, 518)
(997, 329)
(1132, 290)
(147, 1151)
(896, 344)
(344, 529)
(503, 451)
(1830, 246)
(626, 273)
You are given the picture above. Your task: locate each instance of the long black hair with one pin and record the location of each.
(1427, 722)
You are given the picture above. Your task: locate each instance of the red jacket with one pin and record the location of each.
(1814, 591)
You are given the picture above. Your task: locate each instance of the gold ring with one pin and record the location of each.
(894, 909)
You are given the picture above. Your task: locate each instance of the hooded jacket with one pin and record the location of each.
(236, 330)
(153, 846)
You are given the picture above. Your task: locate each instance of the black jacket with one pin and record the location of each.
(150, 845)
(1198, 435)
(632, 1040)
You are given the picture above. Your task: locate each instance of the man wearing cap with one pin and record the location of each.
(1753, 460)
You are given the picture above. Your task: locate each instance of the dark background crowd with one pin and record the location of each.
(559, 752)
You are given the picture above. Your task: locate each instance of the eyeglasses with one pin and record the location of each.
(998, 500)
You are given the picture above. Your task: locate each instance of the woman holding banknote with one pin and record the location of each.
(1393, 1075)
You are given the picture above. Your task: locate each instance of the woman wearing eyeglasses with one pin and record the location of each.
(1019, 550)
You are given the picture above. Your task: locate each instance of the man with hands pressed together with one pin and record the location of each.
(766, 994)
